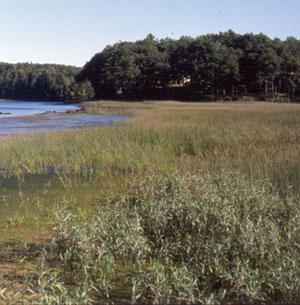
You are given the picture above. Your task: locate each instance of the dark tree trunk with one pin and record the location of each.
(266, 89)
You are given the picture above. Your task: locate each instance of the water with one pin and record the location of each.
(31, 108)
(27, 117)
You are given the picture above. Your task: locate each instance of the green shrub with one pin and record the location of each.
(187, 239)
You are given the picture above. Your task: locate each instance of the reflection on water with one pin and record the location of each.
(28, 204)
(27, 117)
(22, 108)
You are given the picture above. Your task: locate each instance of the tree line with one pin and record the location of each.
(43, 82)
(213, 65)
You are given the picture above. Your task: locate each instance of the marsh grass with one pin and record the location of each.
(259, 139)
(27, 207)
(93, 168)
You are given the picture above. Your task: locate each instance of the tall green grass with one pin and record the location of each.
(261, 140)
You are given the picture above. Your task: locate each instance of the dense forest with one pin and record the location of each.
(213, 66)
(46, 82)
(224, 65)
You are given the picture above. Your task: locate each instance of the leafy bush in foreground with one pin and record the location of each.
(181, 239)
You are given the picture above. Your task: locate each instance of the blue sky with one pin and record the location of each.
(72, 31)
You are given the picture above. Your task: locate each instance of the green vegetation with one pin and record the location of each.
(213, 66)
(43, 82)
(193, 239)
(184, 202)
(258, 139)
(225, 66)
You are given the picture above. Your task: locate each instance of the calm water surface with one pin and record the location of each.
(25, 117)
(31, 108)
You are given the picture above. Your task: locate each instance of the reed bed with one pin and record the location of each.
(259, 139)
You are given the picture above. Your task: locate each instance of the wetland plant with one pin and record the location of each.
(180, 239)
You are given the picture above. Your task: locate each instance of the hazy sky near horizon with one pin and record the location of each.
(71, 31)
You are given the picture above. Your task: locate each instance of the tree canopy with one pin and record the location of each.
(213, 64)
(208, 66)
(46, 82)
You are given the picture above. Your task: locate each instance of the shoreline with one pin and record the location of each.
(37, 100)
(7, 116)
(49, 121)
